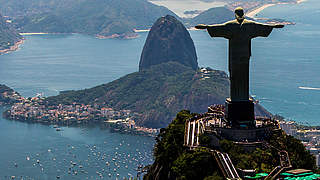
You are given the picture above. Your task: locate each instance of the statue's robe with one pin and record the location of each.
(239, 35)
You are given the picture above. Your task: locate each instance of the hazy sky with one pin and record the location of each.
(180, 6)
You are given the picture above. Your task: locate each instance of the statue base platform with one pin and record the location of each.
(240, 114)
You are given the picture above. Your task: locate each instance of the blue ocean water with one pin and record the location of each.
(34, 151)
(284, 70)
(294, 76)
(49, 64)
(283, 62)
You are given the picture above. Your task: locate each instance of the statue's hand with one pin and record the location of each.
(201, 26)
(279, 26)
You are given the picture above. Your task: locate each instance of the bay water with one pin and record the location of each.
(284, 67)
(285, 78)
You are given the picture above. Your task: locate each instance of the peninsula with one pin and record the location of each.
(9, 38)
(8, 96)
(148, 98)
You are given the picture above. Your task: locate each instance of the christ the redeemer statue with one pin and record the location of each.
(239, 32)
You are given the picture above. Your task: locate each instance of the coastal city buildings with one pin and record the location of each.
(37, 109)
(289, 127)
(310, 136)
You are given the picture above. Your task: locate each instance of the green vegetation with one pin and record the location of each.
(157, 93)
(211, 16)
(8, 37)
(6, 95)
(174, 161)
(4, 88)
(95, 17)
(265, 159)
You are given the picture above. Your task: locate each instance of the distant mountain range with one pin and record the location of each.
(211, 16)
(103, 18)
(95, 17)
(8, 36)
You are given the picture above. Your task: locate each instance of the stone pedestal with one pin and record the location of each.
(240, 114)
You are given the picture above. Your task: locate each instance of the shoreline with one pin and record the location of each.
(119, 36)
(26, 34)
(141, 30)
(12, 48)
(148, 30)
(252, 13)
(300, 1)
(113, 36)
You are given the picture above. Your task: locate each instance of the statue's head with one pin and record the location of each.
(239, 13)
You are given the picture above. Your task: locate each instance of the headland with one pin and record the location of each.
(13, 47)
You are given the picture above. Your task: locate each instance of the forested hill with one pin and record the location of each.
(95, 17)
(8, 36)
(211, 16)
(173, 160)
(157, 93)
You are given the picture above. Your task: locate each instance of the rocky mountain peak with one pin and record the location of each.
(168, 40)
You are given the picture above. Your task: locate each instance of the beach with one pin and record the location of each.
(257, 10)
(180, 7)
(141, 30)
(254, 12)
(26, 34)
(300, 1)
(121, 36)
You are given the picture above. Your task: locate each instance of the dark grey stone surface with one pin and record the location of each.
(168, 40)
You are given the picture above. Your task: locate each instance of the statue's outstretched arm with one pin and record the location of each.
(204, 26)
(216, 30)
(263, 30)
(272, 25)
(201, 26)
(278, 26)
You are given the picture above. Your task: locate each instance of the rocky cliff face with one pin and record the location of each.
(8, 36)
(168, 40)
